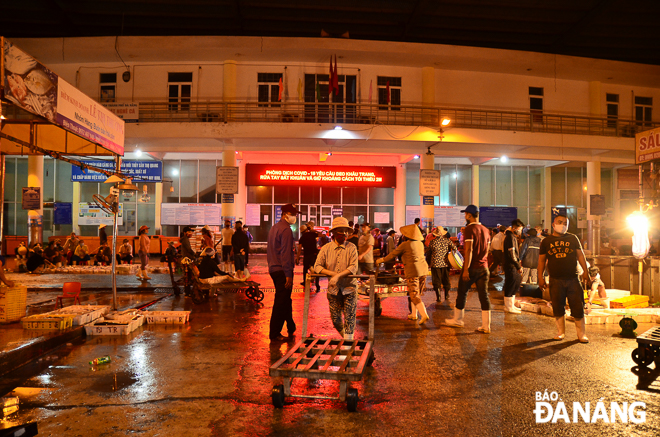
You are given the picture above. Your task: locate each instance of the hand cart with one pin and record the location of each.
(382, 292)
(648, 348)
(316, 358)
(201, 292)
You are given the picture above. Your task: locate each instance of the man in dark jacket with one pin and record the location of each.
(186, 249)
(529, 254)
(512, 266)
(241, 246)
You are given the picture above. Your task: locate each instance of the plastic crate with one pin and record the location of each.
(636, 301)
(13, 302)
(48, 322)
(166, 317)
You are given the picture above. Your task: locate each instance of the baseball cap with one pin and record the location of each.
(290, 209)
(472, 209)
(187, 229)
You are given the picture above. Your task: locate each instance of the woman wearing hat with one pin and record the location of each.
(143, 252)
(209, 272)
(415, 267)
(439, 247)
(338, 259)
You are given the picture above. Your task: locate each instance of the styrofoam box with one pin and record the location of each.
(83, 314)
(120, 329)
(530, 307)
(166, 317)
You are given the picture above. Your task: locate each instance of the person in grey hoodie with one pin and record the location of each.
(529, 254)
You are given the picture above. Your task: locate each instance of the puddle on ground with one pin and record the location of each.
(113, 382)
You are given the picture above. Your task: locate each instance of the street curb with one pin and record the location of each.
(12, 360)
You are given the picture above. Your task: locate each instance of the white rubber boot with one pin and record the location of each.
(144, 275)
(413, 312)
(422, 311)
(581, 328)
(485, 322)
(510, 305)
(457, 321)
(561, 328)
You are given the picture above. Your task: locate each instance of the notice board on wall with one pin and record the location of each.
(491, 216)
(183, 214)
(446, 216)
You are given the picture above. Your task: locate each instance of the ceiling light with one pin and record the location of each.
(455, 176)
(175, 172)
(416, 156)
(329, 153)
(338, 128)
(504, 159)
(445, 121)
(138, 152)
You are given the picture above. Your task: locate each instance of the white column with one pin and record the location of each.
(35, 216)
(475, 185)
(229, 160)
(76, 207)
(400, 197)
(593, 221)
(547, 198)
(158, 199)
(241, 198)
(426, 211)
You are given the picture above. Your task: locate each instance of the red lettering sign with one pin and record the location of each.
(320, 175)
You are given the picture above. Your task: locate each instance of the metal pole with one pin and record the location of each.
(114, 242)
(640, 266)
(2, 196)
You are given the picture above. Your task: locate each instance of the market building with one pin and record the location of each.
(343, 127)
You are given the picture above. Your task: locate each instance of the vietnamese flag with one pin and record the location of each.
(331, 81)
(388, 92)
(279, 97)
(335, 78)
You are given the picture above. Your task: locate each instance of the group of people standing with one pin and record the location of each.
(559, 253)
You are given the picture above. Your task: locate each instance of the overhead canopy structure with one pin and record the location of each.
(49, 116)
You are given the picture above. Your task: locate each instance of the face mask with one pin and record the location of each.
(560, 229)
(291, 219)
(340, 238)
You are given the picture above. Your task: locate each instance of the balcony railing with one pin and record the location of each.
(314, 112)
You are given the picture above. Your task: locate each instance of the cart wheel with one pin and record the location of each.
(644, 360)
(278, 396)
(249, 292)
(258, 295)
(370, 361)
(198, 295)
(352, 399)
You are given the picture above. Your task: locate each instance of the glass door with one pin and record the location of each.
(326, 216)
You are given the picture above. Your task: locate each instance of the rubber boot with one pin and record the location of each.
(422, 311)
(139, 274)
(348, 337)
(510, 305)
(485, 322)
(581, 328)
(457, 321)
(437, 295)
(144, 275)
(413, 312)
(561, 328)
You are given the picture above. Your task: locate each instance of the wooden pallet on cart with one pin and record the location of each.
(316, 358)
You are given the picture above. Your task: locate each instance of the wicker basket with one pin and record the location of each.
(12, 303)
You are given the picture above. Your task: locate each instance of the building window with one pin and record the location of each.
(536, 103)
(612, 109)
(179, 87)
(389, 93)
(108, 85)
(643, 110)
(269, 89)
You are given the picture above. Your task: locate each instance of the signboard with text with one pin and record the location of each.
(647, 146)
(320, 175)
(429, 182)
(140, 171)
(491, 216)
(129, 112)
(32, 198)
(62, 213)
(226, 180)
(92, 215)
(183, 214)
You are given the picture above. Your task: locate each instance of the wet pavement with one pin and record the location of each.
(210, 377)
